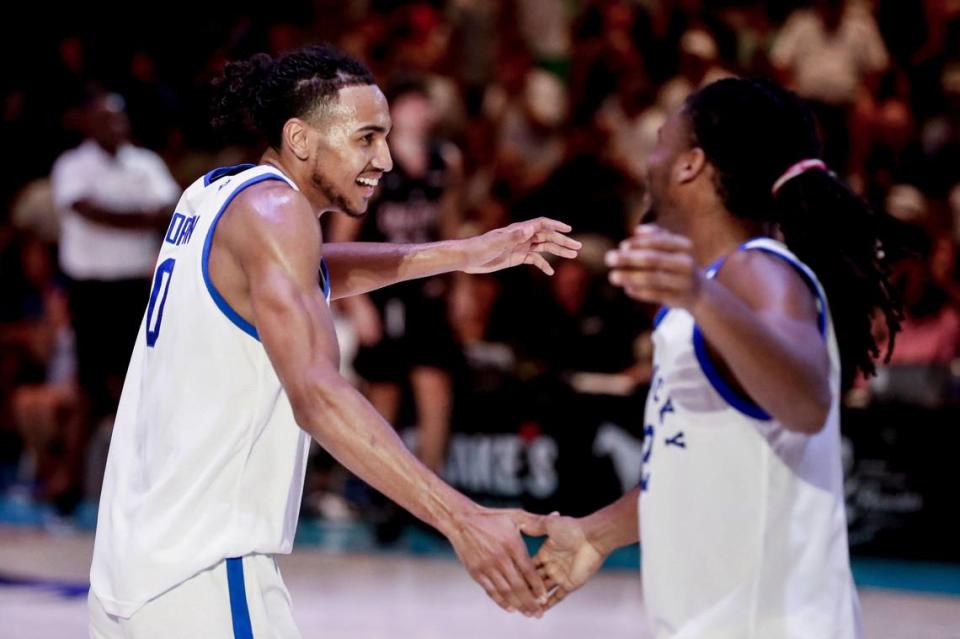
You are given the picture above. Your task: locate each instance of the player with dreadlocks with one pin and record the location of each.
(741, 503)
(236, 366)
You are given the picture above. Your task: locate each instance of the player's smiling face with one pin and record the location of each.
(351, 154)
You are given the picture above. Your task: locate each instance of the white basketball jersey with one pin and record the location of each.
(742, 521)
(206, 461)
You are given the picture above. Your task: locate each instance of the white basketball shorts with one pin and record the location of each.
(239, 598)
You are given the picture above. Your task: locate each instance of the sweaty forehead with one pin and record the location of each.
(359, 107)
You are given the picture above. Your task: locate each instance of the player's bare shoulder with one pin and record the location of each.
(765, 281)
(272, 217)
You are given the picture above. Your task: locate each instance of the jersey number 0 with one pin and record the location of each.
(158, 298)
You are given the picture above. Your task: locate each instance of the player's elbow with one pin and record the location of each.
(809, 413)
(315, 398)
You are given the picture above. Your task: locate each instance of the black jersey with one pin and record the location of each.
(407, 209)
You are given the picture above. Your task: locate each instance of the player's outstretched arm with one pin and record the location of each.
(758, 317)
(274, 237)
(360, 267)
(576, 548)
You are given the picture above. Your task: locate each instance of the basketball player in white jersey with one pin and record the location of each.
(740, 509)
(236, 368)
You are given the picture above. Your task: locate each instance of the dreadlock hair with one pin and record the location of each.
(259, 95)
(752, 131)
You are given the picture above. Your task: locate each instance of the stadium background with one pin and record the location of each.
(554, 105)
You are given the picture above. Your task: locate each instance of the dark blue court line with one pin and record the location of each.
(62, 588)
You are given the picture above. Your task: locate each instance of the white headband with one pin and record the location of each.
(796, 169)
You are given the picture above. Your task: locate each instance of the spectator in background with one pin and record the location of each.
(699, 66)
(895, 155)
(113, 198)
(941, 135)
(530, 140)
(931, 325)
(544, 26)
(403, 331)
(597, 327)
(630, 119)
(586, 190)
(37, 364)
(918, 372)
(605, 60)
(487, 111)
(154, 107)
(832, 55)
(420, 44)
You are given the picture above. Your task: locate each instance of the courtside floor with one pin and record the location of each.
(352, 595)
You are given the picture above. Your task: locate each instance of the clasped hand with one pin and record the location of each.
(491, 548)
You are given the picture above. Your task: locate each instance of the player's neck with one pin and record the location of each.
(718, 234)
(711, 245)
(275, 159)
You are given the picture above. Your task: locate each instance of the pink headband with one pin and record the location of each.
(800, 167)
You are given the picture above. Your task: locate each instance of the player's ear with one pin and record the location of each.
(689, 165)
(296, 135)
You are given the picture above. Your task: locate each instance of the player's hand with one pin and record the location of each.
(656, 266)
(567, 559)
(489, 544)
(520, 243)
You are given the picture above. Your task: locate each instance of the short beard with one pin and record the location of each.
(337, 200)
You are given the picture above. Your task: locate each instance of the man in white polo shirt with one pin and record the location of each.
(114, 200)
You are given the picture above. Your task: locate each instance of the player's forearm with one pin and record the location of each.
(351, 430)
(128, 220)
(778, 370)
(361, 267)
(614, 526)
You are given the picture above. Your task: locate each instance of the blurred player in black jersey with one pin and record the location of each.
(404, 332)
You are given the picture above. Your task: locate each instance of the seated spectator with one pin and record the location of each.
(530, 139)
(894, 153)
(832, 54)
(918, 371)
(940, 136)
(931, 324)
(586, 190)
(36, 342)
(699, 65)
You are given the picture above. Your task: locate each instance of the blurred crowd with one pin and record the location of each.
(503, 110)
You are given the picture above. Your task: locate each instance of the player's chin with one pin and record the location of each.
(357, 209)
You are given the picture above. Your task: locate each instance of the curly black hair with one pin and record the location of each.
(752, 131)
(260, 94)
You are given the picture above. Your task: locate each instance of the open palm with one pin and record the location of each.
(567, 559)
(520, 243)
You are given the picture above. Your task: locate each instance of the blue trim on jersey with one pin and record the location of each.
(325, 274)
(219, 172)
(659, 316)
(242, 628)
(736, 399)
(797, 266)
(743, 404)
(218, 299)
(811, 284)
